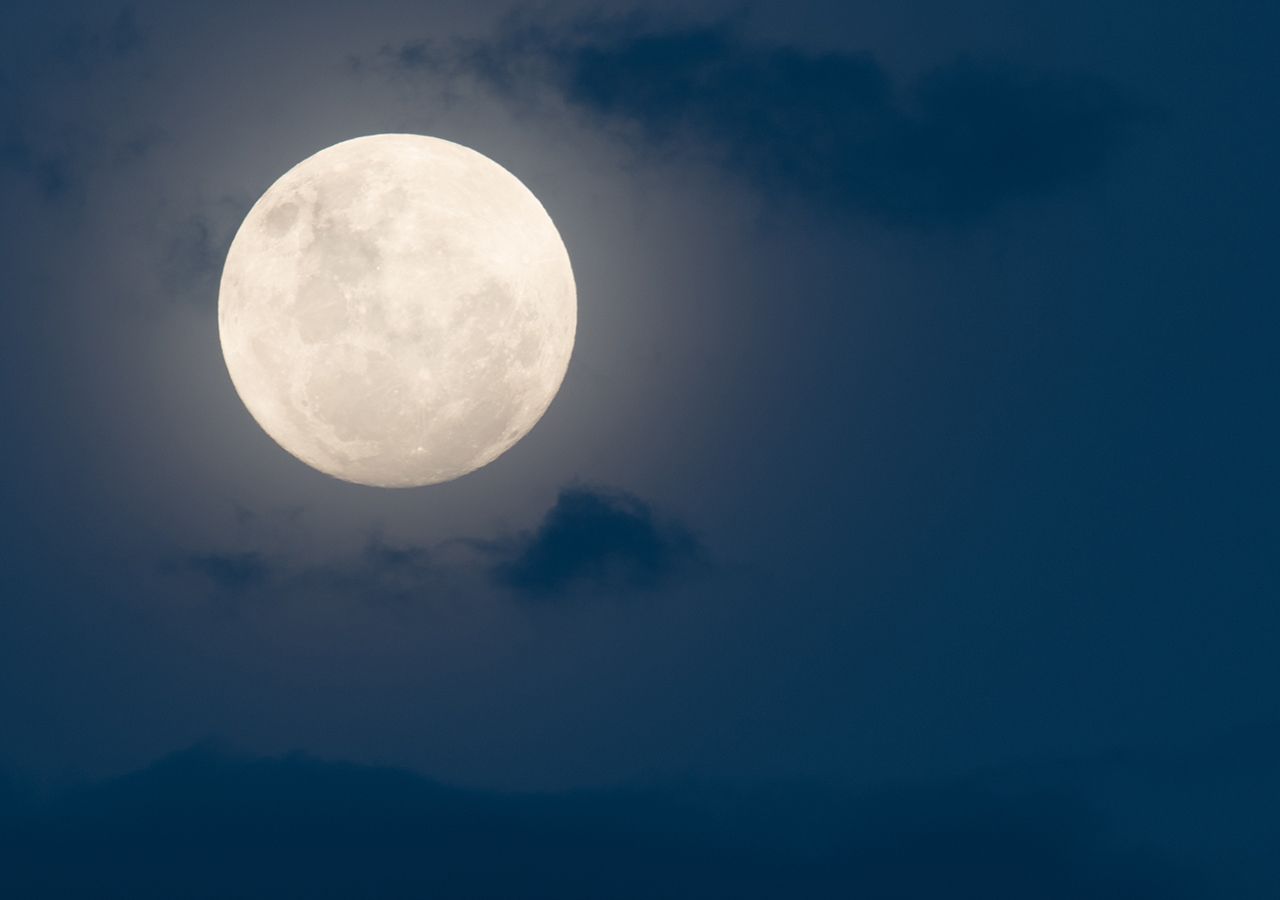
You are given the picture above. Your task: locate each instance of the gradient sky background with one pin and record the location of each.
(905, 525)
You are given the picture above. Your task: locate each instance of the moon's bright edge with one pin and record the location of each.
(397, 310)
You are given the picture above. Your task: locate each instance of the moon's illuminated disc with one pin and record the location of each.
(397, 310)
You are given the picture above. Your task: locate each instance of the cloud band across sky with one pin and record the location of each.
(831, 129)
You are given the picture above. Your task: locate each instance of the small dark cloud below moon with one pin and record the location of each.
(597, 538)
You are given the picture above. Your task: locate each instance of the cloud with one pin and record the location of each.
(387, 572)
(48, 169)
(380, 572)
(52, 132)
(236, 572)
(207, 823)
(830, 129)
(195, 244)
(592, 538)
(82, 49)
(601, 539)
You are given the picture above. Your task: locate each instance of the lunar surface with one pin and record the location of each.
(397, 310)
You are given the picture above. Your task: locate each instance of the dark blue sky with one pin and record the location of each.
(905, 526)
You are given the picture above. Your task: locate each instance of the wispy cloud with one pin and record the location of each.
(592, 539)
(50, 131)
(830, 129)
(194, 246)
(228, 571)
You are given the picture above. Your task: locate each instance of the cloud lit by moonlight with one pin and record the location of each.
(397, 310)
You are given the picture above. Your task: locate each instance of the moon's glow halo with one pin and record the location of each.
(397, 310)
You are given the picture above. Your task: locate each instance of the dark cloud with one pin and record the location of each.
(49, 172)
(207, 823)
(48, 168)
(83, 48)
(228, 571)
(601, 539)
(195, 246)
(50, 129)
(829, 128)
(592, 538)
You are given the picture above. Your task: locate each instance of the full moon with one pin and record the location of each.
(397, 310)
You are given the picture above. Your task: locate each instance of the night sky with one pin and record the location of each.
(905, 526)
